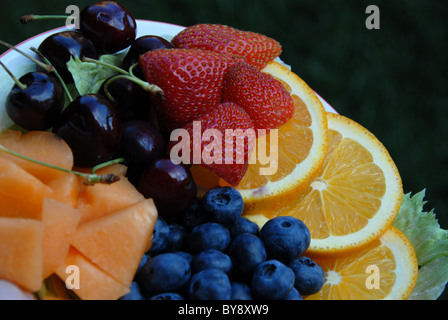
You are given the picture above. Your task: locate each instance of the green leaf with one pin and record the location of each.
(430, 242)
(89, 76)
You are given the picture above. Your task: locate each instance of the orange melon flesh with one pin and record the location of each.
(65, 189)
(21, 194)
(39, 145)
(60, 221)
(94, 284)
(21, 252)
(116, 242)
(102, 199)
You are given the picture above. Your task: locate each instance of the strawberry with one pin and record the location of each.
(190, 79)
(208, 135)
(258, 49)
(262, 96)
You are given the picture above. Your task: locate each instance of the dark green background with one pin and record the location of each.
(393, 81)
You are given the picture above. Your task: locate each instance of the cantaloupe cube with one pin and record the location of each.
(117, 242)
(21, 194)
(39, 145)
(102, 199)
(94, 284)
(21, 252)
(60, 222)
(65, 189)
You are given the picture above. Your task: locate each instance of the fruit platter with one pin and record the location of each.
(141, 160)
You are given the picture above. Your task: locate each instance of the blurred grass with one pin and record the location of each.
(393, 81)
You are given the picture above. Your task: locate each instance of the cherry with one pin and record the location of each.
(170, 185)
(140, 46)
(109, 25)
(131, 100)
(92, 128)
(35, 101)
(58, 48)
(141, 143)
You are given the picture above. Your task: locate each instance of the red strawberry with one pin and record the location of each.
(258, 49)
(262, 96)
(208, 135)
(191, 81)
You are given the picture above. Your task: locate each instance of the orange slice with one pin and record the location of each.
(296, 155)
(385, 270)
(356, 195)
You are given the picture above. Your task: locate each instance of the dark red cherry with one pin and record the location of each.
(38, 104)
(141, 143)
(130, 99)
(58, 48)
(92, 128)
(109, 25)
(170, 185)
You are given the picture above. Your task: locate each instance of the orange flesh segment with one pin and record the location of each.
(386, 269)
(346, 194)
(295, 139)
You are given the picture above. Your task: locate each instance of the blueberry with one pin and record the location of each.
(167, 296)
(210, 235)
(243, 225)
(177, 238)
(240, 291)
(194, 215)
(294, 294)
(210, 284)
(285, 238)
(159, 238)
(166, 272)
(223, 205)
(186, 255)
(211, 259)
(272, 280)
(309, 276)
(134, 294)
(246, 251)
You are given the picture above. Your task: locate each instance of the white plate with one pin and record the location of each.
(19, 65)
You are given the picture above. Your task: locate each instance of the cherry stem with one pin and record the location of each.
(67, 92)
(34, 17)
(47, 67)
(152, 88)
(131, 69)
(108, 163)
(91, 178)
(106, 89)
(16, 81)
(105, 64)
